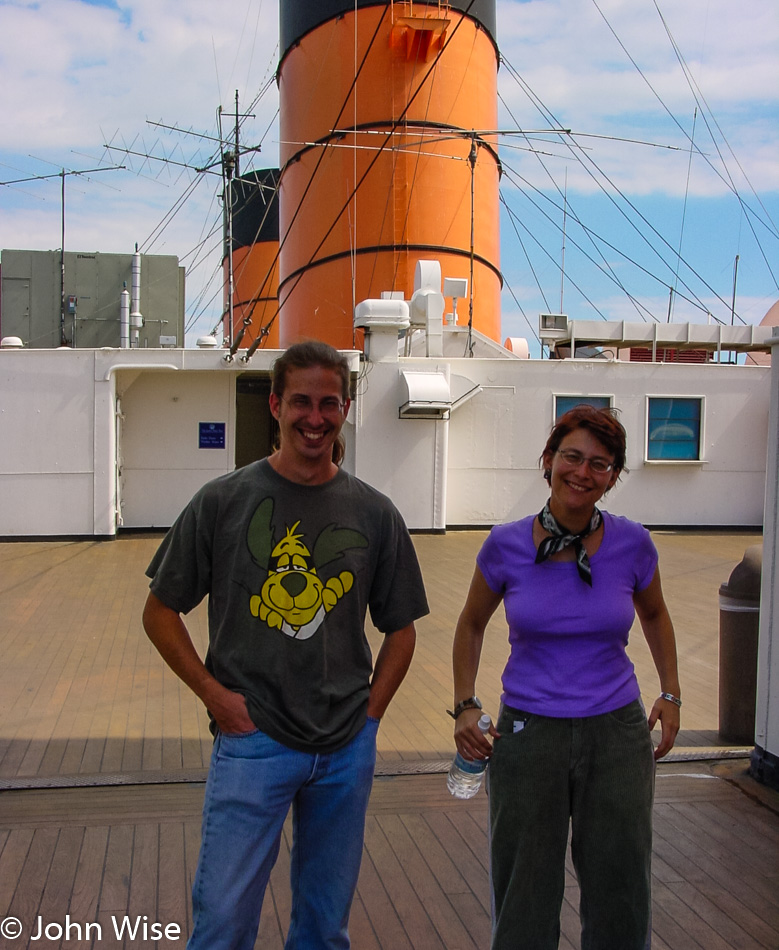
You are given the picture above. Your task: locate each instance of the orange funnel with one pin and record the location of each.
(387, 158)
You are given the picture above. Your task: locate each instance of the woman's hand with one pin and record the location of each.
(668, 714)
(659, 632)
(471, 742)
(480, 605)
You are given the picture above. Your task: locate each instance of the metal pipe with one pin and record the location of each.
(124, 318)
(136, 319)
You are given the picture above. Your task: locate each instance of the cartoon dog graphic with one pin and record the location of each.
(293, 598)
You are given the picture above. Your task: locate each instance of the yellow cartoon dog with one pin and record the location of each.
(293, 598)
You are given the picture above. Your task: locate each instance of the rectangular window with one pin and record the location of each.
(674, 428)
(564, 403)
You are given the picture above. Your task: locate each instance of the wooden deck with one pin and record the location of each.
(102, 755)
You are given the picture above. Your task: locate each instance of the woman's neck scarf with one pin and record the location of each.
(561, 538)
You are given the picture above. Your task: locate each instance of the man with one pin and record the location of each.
(291, 551)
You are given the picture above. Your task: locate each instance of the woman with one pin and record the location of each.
(572, 742)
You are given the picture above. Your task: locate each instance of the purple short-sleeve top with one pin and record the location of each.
(568, 640)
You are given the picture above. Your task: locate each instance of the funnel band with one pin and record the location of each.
(298, 17)
(406, 128)
(432, 249)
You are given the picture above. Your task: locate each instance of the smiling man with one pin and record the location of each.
(292, 552)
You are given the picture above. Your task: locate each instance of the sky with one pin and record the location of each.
(652, 231)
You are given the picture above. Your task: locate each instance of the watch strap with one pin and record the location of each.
(472, 703)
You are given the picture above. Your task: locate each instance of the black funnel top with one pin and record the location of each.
(255, 208)
(298, 17)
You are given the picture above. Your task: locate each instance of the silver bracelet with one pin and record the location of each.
(671, 698)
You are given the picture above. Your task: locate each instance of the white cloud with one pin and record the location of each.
(69, 69)
(75, 74)
(567, 54)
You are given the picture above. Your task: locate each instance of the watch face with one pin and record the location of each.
(472, 703)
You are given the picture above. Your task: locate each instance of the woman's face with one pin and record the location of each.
(576, 487)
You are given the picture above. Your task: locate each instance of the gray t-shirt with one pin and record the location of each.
(290, 571)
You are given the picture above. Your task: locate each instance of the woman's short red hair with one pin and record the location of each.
(602, 423)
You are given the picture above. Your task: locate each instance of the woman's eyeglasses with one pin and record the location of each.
(573, 458)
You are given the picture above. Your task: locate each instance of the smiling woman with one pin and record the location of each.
(572, 744)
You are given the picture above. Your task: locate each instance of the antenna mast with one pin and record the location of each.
(231, 169)
(229, 164)
(229, 161)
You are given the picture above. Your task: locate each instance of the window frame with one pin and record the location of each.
(688, 397)
(580, 397)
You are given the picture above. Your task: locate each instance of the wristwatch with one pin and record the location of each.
(472, 703)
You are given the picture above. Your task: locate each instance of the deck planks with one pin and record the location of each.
(84, 692)
(87, 700)
(97, 853)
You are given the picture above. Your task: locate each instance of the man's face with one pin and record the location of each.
(310, 413)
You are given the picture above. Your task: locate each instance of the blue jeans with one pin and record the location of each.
(252, 782)
(595, 774)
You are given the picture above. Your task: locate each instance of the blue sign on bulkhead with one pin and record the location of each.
(212, 435)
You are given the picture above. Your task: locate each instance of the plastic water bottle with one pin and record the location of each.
(465, 778)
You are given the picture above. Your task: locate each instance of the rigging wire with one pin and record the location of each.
(417, 159)
(510, 213)
(532, 329)
(587, 165)
(552, 259)
(593, 235)
(396, 124)
(747, 211)
(241, 39)
(727, 181)
(204, 169)
(698, 96)
(158, 230)
(352, 231)
(578, 221)
(396, 159)
(596, 248)
(684, 215)
(264, 330)
(204, 250)
(217, 272)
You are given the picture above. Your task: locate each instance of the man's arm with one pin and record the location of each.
(392, 664)
(167, 631)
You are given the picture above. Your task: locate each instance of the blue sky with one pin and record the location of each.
(75, 74)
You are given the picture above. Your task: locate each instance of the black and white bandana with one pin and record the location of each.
(561, 538)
